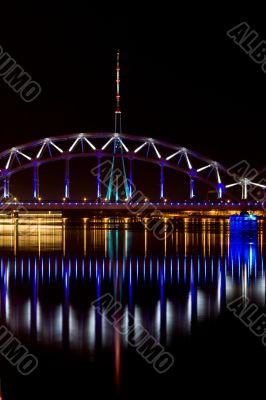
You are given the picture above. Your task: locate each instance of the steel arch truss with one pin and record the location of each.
(97, 145)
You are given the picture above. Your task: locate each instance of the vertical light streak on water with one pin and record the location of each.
(34, 316)
(49, 269)
(239, 268)
(110, 269)
(7, 291)
(150, 269)
(62, 267)
(212, 268)
(220, 285)
(4, 291)
(225, 265)
(110, 244)
(185, 269)
(171, 269)
(76, 268)
(65, 322)
(126, 240)
(232, 269)
(29, 269)
(205, 269)
(83, 268)
(116, 243)
(105, 242)
(145, 239)
(22, 269)
(245, 282)
(96, 269)
(165, 238)
(8, 273)
(15, 269)
(124, 269)
(144, 268)
(98, 289)
(90, 269)
(84, 237)
(103, 268)
(162, 305)
(130, 272)
(130, 282)
(193, 293)
(91, 329)
(69, 267)
(164, 269)
(116, 269)
(250, 258)
(137, 268)
(178, 269)
(56, 269)
(198, 269)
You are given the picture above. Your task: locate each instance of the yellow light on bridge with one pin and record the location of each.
(85, 199)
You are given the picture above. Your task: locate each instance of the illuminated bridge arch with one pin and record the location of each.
(99, 146)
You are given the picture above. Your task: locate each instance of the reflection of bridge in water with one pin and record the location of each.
(48, 297)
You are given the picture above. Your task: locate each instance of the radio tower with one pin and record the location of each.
(118, 145)
(118, 126)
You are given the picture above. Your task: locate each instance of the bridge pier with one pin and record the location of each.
(36, 184)
(220, 190)
(162, 182)
(244, 190)
(192, 188)
(67, 194)
(99, 194)
(130, 177)
(6, 187)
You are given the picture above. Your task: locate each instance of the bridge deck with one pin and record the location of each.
(170, 208)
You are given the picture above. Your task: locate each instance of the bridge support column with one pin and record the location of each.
(220, 190)
(116, 188)
(244, 191)
(36, 184)
(162, 182)
(6, 187)
(67, 194)
(130, 178)
(99, 195)
(192, 188)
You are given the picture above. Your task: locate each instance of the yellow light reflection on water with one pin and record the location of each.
(31, 231)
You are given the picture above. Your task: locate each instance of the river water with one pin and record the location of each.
(177, 288)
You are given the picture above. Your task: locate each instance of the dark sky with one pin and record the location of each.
(183, 79)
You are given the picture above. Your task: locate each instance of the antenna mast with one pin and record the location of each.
(118, 125)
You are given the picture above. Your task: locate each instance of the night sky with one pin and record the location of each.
(183, 79)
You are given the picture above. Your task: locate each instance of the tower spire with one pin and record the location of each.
(118, 124)
(118, 81)
(113, 187)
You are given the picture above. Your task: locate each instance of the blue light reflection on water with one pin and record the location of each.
(191, 284)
